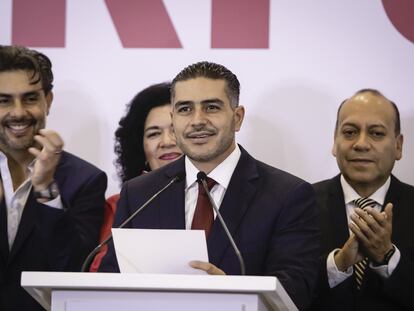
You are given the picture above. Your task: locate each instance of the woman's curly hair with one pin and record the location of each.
(129, 136)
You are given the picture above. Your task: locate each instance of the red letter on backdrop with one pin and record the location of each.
(143, 24)
(401, 15)
(39, 23)
(242, 24)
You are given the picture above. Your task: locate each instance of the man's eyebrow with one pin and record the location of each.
(203, 102)
(369, 126)
(183, 102)
(349, 124)
(35, 92)
(28, 93)
(377, 125)
(212, 100)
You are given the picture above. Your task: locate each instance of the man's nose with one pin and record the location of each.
(18, 110)
(199, 117)
(362, 142)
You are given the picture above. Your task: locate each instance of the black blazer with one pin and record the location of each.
(394, 293)
(270, 213)
(49, 239)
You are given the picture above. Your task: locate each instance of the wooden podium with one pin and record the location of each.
(58, 291)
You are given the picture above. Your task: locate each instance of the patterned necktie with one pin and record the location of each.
(359, 267)
(203, 215)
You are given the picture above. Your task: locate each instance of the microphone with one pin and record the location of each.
(86, 263)
(202, 178)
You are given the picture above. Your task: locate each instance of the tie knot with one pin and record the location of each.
(210, 184)
(364, 202)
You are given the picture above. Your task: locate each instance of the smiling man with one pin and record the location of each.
(270, 213)
(366, 213)
(51, 202)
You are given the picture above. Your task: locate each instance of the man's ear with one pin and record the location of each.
(49, 99)
(334, 148)
(238, 117)
(399, 146)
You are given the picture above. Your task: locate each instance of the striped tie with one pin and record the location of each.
(359, 268)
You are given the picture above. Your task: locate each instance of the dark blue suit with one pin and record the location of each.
(270, 213)
(394, 293)
(50, 239)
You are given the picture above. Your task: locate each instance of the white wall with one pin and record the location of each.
(321, 52)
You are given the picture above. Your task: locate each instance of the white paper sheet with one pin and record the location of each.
(159, 250)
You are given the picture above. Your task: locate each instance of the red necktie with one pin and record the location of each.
(203, 215)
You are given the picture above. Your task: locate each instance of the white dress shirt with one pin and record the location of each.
(221, 174)
(16, 200)
(335, 276)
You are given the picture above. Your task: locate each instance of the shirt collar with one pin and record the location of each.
(378, 196)
(221, 174)
(3, 159)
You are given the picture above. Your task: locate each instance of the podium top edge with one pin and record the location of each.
(122, 281)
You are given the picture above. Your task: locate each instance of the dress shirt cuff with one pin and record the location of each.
(55, 203)
(335, 276)
(385, 271)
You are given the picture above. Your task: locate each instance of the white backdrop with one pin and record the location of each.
(320, 52)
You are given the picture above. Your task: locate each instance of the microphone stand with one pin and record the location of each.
(233, 244)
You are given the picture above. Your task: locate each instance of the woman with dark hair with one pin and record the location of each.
(147, 122)
(145, 141)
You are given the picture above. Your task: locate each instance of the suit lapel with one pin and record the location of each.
(393, 196)
(4, 244)
(235, 203)
(337, 212)
(26, 225)
(393, 192)
(171, 202)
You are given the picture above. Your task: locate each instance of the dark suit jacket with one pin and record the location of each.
(394, 293)
(50, 239)
(271, 215)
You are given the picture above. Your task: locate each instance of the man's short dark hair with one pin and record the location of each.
(397, 126)
(21, 58)
(211, 71)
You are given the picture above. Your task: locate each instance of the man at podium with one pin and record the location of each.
(270, 213)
